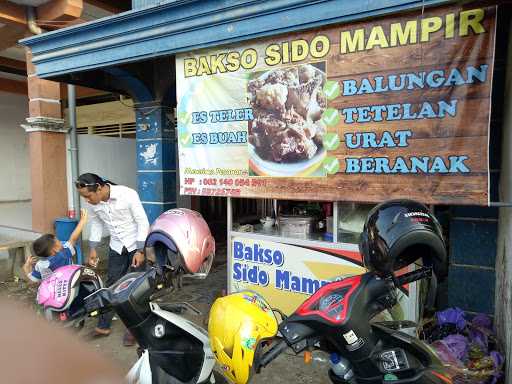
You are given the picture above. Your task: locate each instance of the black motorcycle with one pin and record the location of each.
(172, 348)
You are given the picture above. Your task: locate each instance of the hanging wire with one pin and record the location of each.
(126, 105)
(151, 108)
(55, 23)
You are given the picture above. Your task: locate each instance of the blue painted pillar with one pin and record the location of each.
(156, 158)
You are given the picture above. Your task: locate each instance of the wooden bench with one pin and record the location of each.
(17, 244)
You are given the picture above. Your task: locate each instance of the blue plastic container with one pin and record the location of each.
(64, 226)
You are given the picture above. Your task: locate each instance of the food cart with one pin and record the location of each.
(288, 258)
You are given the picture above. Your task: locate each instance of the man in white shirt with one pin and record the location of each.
(119, 209)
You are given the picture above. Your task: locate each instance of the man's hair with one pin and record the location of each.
(43, 245)
(91, 181)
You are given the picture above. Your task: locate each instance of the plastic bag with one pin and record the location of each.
(458, 345)
(482, 321)
(453, 316)
(446, 355)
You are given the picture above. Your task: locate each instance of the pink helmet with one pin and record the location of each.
(181, 238)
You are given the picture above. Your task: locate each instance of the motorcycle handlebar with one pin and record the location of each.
(413, 276)
(272, 353)
(102, 299)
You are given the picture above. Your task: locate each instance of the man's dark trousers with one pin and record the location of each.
(118, 266)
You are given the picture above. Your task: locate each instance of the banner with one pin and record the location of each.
(389, 108)
(287, 274)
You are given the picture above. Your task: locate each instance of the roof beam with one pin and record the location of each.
(57, 10)
(60, 10)
(20, 87)
(12, 63)
(76, 22)
(51, 26)
(10, 35)
(105, 5)
(12, 14)
(81, 92)
(13, 86)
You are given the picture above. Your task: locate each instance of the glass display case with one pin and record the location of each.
(350, 221)
(302, 220)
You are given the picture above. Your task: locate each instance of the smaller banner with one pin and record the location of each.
(287, 274)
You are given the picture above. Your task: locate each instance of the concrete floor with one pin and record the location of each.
(288, 368)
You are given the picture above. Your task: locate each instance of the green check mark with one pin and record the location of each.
(331, 117)
(183, 118)
(331, 141)
(331, 165)
(331, 89)
(185, 138)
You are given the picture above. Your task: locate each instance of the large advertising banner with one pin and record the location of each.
(287, 274)
(388, 108)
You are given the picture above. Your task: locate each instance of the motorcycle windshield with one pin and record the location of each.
(331, 301)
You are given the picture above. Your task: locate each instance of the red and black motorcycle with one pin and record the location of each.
(336, 318)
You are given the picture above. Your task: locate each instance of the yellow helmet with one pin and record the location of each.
(236, 325)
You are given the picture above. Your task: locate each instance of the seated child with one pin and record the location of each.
(52, 253)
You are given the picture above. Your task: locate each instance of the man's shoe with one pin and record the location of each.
(99, 332)
(96, 333)
(128, 339)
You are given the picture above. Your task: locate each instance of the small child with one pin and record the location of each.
(52, 253)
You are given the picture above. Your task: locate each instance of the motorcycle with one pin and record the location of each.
(336, 319)
(172, 348)
(245, 336)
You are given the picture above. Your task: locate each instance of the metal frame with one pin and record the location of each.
(230, 231)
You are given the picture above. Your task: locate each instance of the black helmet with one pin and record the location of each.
(399, 232)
